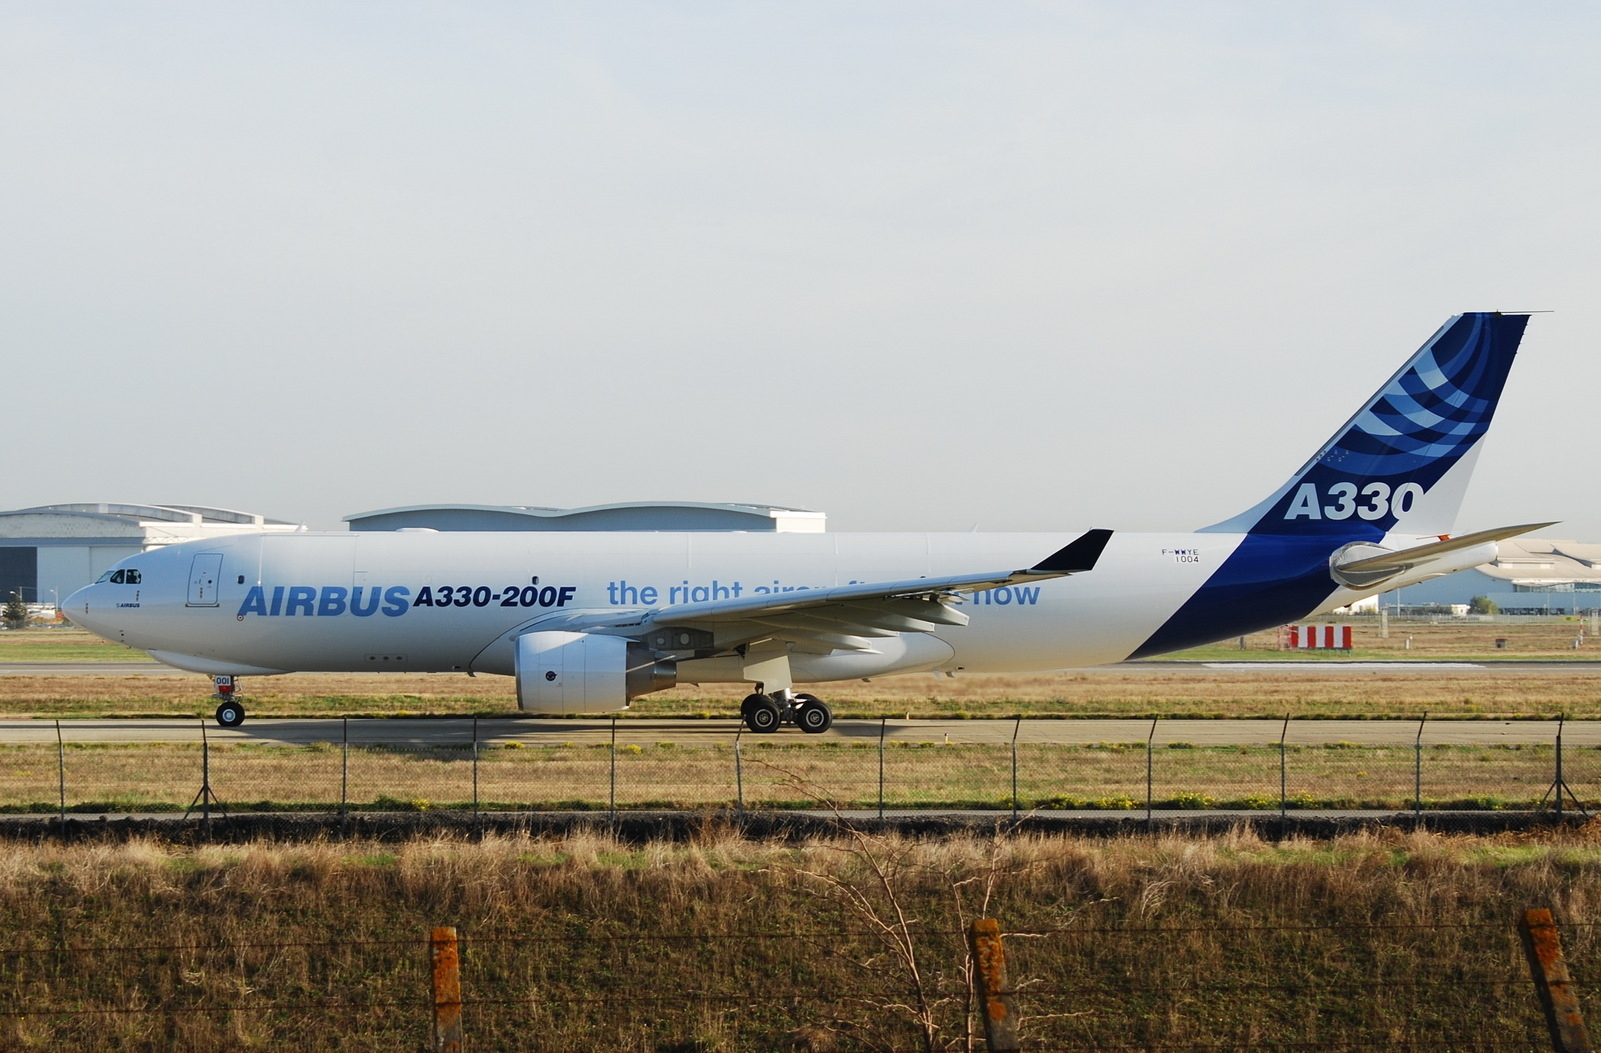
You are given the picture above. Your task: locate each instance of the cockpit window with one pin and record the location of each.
(104, 577)
(132, 577)
(116, 577)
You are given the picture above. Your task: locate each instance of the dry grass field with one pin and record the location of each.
(1143, 693)
(1545, 639)
(63, 645)
(1152, 690)
(1444, 639)
(1105, 776)
(1373, 941)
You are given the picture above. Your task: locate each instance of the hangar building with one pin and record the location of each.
(50, 551)
(633, 515)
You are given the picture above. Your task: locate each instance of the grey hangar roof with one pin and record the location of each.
(633, 515)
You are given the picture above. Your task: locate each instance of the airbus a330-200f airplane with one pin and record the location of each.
(587, 622)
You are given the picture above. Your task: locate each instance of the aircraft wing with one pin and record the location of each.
(850, 617)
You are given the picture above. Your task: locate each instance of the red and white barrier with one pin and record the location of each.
(1319, 637)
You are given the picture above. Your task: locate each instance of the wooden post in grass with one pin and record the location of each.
(447, 990)
(1559, 998)
(989, 978)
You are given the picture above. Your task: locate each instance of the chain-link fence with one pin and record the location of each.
(495, 765)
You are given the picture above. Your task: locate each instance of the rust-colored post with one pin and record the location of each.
(989, 977)
(447, 990)
(1558, 996)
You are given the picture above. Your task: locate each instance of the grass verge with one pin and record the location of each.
(1104, 776)
(1365, 942)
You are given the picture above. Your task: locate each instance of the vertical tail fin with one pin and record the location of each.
(1403, 461)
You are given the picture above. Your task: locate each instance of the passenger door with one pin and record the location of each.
(203, 575)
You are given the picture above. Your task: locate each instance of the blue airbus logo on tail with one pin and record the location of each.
(1377, 469)
(1381, 464)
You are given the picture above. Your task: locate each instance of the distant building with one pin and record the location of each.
(48, 552)
(1531, 576)
(637, 515)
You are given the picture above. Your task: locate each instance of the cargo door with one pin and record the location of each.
(203, 575)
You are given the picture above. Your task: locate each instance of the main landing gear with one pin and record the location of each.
(230, 714)
(765, 713)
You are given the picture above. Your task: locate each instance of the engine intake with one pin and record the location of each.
(566, 672)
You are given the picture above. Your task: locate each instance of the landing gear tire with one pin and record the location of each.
(230, 714)
(761, 714)
(813, 714)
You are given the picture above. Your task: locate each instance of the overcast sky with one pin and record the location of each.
(917, 265)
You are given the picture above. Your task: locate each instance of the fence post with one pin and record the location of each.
(205, 778)
(612, 798)
(739, 774)
(883, 726)
(1015, 729)
(344, 772)
(1150, 748)
(1284, 782)
(1559, 999)
(989, 975)
(475, 771)
(61, 772)
(447, 990)
(205, 797)
(1417, 772)
(1559, 785)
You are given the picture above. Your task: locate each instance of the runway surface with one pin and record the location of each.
(536, 731)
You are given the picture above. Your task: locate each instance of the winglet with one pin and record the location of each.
(1077, 556)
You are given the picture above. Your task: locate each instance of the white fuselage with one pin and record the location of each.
(435, 602)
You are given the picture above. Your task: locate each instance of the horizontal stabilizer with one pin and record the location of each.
(1370, 570)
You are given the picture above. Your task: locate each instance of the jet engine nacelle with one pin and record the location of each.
(564, 672)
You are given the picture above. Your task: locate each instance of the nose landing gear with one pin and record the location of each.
(764, 713)
(230, 714)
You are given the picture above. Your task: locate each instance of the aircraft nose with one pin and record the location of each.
(77, 606)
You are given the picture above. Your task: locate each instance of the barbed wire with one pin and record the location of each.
(537, 1001)
(467, 940)
(1309, 985)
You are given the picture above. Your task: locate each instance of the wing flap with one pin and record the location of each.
(926, 610)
